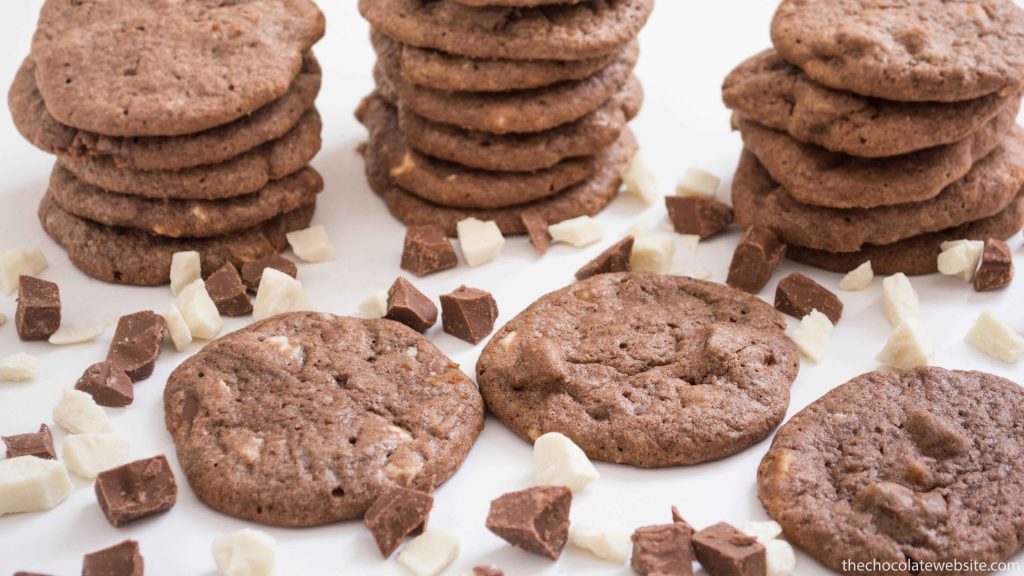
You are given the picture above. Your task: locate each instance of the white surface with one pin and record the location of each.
(688, 48)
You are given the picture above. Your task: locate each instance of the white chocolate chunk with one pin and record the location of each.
(608, 544)
(66, 334)
(899, 298)
(558, 461)
(18, 367)
(285, 346)
(246, 552)
(639, 229)
(697, 182)
(185, 269)
(908, 347)
(278, 293)
(640, 181)
(89, 454)
(765, 531)
(653, 253)
(78, 413)
(779, 558)
(858, 279)
(311, 244)
(689, 241)
(178, 328)
(31, 484)
(199, 311)
(811, 338)
(997, 338)
(376, 306)
(429, 553)
(701, 273)
(16, 263)
(480, 241)
(578, 232)
(960, 258)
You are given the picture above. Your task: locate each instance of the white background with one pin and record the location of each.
(688, 48)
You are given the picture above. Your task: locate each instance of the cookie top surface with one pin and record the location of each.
(302, 419)
(642, 369)
(924, 465)
(905, 50)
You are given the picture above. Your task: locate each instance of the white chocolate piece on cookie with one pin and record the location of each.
(697, 182)
(558, 461)
(16, 263)
(899, 297)
(31, 484)
(89, 454)
(246, 552)
(278, 293)
(608, 544)
(960, 258)
(18, 367)
(580, 231)
(185, 269)
(199, 311)
(997, 338)
(78, 413)
(640, 181)
(908, 347)
(429, 553)
(811, 338)
(653, 253)
(858, 279)
(480, 241)
(311, 244)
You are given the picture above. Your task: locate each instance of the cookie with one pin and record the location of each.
(219, 144)
(236, 177)
(184, 218)
(643, 369)
(925, 465)
(305, 418)
(126, 256)
(905, 50)
(773, 92)
(986, 190)
(558, 32)
(813, 175)
(151, 68)
(517, 3)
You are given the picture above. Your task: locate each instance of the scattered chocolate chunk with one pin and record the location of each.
(725, 551)
(797, 295)
(996, 269)
(227, 291)
(107, 384)
(136, 490)
(469, 313)
(136, 344)
(29, 574)
(487, 571)
(757, 255)
(38, 444)
(427, 249)
(704, 217)
(38, 313)
(677, 518)
(395, 514)
(409, 306)
(252, 272)
(537, 228)
(663, 549)
(535, 519)
(614, 259)
(123, 559)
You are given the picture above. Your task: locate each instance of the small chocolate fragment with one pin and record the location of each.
(725, 551)
(677, 518)
(537, 227)
(107, 384)
(124, 559)
(136, 490)
(757, 255)
(395, 514)
(704, 217)
(468, 313)
(136, 344)
(487, 571)
(409, 306)
(663, 549)
(38, 444)
(614, 259)
(227, 291)
(535, 519)
(29, 574)
(252, 272)
(797, 295)
(427, 249)
(38, 314)
(996, 269)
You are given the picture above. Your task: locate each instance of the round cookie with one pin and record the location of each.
(219, 144)
(642, 369)
(153, 68)
(126, 256)
(925, 465)
(905, 50)
(558, 32)
(773, 92)
(236, 177)
(304, 418)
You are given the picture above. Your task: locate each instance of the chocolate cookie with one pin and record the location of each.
(905, 50)
(773, 92)
(126, 256)
(558, 32)
(643, 369)
(219, 144)
(151, 68)
(925, 465)
(305, 418)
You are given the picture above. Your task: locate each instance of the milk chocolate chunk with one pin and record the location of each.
(252, 272)
(677, 518)
(108, 385)
(38, 444)
(409, 306)
(227, 291)
(468, 313)
(29, 574)
(537, 228)
(663, 550)
(487, 571)
(757, 255)
(996, 268)
(38, 313)
(395, 514)
(614, 259)
(725, 551)
(704, 217)
(797, 295)
(535, 519)
(136, 490)
(123, 559)
(136, 343)
(427, 249)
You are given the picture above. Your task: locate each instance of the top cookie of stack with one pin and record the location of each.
(877, 130)
(489, 108)
(176, 125)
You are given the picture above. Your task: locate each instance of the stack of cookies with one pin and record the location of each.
(492, 108)
(879, 130)
(176, 126)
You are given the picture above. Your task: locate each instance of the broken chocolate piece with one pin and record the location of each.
(996, 269)
(535, 519)
(614, 259)
(227, 291)
(252, 272)
(427, 249)
(677, 518)
(38, 314)
(136, 490)
(29, 574)
(136, 344)
(123, 559)
(468, 313)
(663, 549)
(395, 514)
(704, 217)
(757, 255)
(107, 384)
(487, 571)
(537, 228)
(725, 551)
(38, 444)
(797, 295)
(409, 306)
